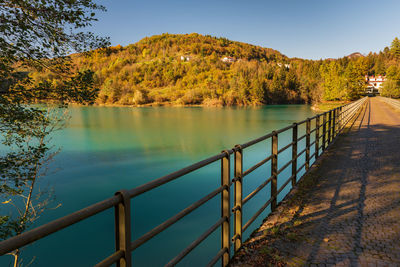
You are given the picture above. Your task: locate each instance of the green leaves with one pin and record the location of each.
(344, 80)
(333, 80)
(391, 88)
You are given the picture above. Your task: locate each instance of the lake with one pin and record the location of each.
(105, 149)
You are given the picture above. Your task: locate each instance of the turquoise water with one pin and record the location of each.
(105, 149)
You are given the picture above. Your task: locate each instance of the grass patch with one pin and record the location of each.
(325, 106)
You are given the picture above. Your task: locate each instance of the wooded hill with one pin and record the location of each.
(196, 69)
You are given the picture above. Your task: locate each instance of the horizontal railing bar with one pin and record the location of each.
(255, 141)
(111, 259)
(158, 229)
(249, 222)
(285, 147)
(313, 130)
(349, 117)
(284, 129)
(353, 107)
(255, 191)
(256, 166)
(312, 155)
(217, 257)
(304, 136)
(195, 243)
(172, 176)
(284, 185)
(303, 121)
(304, 150)
(394, 103)
(285, 166)
(312, 143)
(39, 232)
(301, 167)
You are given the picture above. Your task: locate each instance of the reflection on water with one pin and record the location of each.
(191, 130)
(105, 149)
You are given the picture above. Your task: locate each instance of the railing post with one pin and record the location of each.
(334, 124)
(317, 137)
(324, 132)
(238, 197)
(341, 117)
(123, 229)
(338, 120)
(330, 127)
(294, 155)
(274, 170)
(308, 126)
(225, 209)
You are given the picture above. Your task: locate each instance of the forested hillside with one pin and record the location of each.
(189, 69)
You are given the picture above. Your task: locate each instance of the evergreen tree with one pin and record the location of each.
(391, 87)
(395, 48)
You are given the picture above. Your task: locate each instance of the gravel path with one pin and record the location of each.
(347, 211)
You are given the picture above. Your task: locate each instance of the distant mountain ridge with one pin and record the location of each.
(355, 55)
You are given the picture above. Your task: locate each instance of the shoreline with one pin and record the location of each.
(325, 106)
(169, 104)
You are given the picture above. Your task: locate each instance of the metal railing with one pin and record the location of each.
(333, 122)
(394, 103)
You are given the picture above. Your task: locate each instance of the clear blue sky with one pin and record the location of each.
(310, 29)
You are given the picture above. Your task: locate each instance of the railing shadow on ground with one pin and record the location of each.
(362, 196)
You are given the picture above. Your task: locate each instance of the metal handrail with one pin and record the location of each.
(158, 229)
(255, 191)
(56, 225)
(331, 127)
(256, 166)
(172, 176)
(390, 101)
(195, 243)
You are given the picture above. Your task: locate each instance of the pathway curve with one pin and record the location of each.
(350, 216)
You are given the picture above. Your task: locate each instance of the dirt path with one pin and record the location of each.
(348, 212)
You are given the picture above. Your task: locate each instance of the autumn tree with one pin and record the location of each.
(332, 81)
(354, 81)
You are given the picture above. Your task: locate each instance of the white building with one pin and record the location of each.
(375, 82)
(286, 65)
(186, 58)
(228, 59)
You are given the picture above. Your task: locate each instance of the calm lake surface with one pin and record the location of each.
(105, 149)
